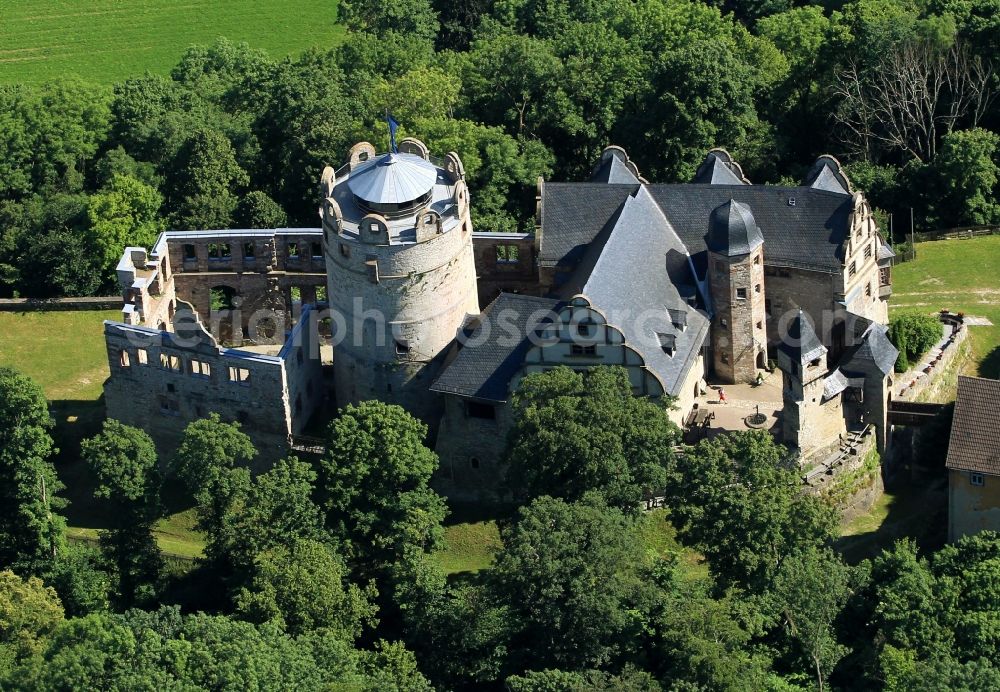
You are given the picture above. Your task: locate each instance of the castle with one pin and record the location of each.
(712, 280)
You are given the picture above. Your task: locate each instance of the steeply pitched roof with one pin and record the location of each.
(801, 344)
(802, 226)
(874, 349)
(613, 170)
(574, 213)
(975, 429)
(732, 230)
(638, 274)
(718, 168)
(495, 347)
(827, 174)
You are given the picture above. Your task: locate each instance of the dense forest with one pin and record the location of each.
(320, 574)
(901, 90)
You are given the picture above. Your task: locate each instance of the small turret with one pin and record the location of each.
(736, 281)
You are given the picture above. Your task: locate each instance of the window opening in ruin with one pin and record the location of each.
(295, 293)
(200, 368)
(293, 250)
(171, 388)
(476, 409)
(321, 294)
(741, 293)
(219, 251)
(756, 288)
(756, 259)
(578, 350)
(474, 462)
(813, 363)
(169, 362)
(249, 251)
(298, 404)
(142, 356)
(760, 325)
(344, 250)
(239, 375)
(316, 249)
(507, 254)
(169, 406)
(125, 361)
(222, 298)
(402, 347)
(868, 290)
(243, 417)
(723, 322)
(725, 358)
(190, 253)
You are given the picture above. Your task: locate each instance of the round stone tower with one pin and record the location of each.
(400, 271)
(736, 280)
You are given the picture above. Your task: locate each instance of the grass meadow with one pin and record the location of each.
(958, 275)
(106, 41)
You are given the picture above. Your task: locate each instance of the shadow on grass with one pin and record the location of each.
(909, 509)
(990, 365)
(75, 422)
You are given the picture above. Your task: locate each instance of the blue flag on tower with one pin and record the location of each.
(393, 125)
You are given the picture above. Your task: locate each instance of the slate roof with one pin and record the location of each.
(975, 428)
(808, 234)
(613, 170)
(718, 168)
(495, 347)
(826, 174)
(834, 384)
(874, 349)
(801, 344)
(732, 230)
(639, 276)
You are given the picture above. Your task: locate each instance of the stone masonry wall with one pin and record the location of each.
(160, 385)
(471, 452)
(264, 269)
(505, 262)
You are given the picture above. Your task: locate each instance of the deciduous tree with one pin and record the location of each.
(31, 532)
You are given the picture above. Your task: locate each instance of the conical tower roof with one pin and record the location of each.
(393, 179)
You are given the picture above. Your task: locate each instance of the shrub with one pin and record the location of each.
(913, 335)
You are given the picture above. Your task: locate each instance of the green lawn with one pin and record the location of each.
(917, 510)
(109, 40)
(64, 352)
(959, 275)
(472, 541)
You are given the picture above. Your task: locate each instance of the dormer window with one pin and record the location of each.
(667, 343)
(678, 318)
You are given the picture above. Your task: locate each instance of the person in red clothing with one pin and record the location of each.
(722, 395)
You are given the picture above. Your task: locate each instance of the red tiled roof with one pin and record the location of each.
(975, 429)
